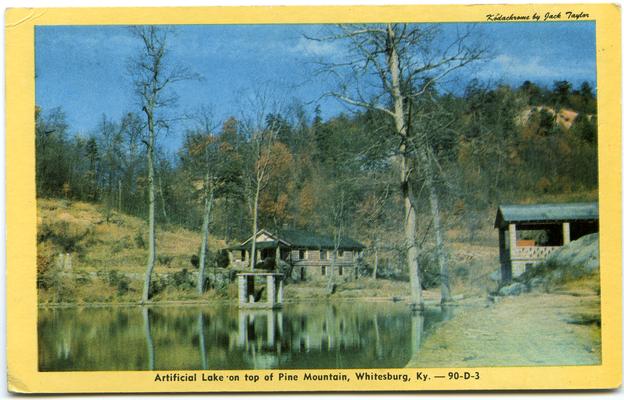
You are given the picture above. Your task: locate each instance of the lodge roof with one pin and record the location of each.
(300, 239)
(509, 213)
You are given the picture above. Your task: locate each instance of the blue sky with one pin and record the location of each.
(83, 68)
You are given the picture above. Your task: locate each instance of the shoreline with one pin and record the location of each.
(530, 329)
(432, 301)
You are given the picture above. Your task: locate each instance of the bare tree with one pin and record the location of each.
(337, 223)
(201, 158)
(391, 64)
(153, 76)
(262, 137)
(432, 117)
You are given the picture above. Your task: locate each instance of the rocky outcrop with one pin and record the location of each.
(575, 260)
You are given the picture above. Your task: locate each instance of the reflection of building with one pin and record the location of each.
(311, 255)
(529, 233)
(249, 297)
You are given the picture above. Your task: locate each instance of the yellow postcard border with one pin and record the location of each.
(21, 203)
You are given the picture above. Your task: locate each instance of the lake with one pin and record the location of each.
(353, 334)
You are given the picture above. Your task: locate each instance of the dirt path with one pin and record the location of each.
(532, 329)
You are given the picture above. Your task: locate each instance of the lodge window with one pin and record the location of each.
(323, 270)
(303, 255)
(323, 254)
(340, 253)
(243, 254)
(340, 270)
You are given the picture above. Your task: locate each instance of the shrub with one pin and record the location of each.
(82, 277)
(59, 285)
(139, 241)
(67, 232)
(158, 285)
(195, 261)
(222, 260)
(115, 279)
(164, 259)
(428, 269)
(182, 280)
(123, 286)
(45, 263)
(121, 244)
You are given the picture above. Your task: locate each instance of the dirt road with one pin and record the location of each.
(532, 329)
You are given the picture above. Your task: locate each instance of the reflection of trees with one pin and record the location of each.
(202, 340)
(148, 338)
(312, 336)
(418, 326)
(378, 341)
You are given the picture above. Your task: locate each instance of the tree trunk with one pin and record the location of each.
(376, 262)
(162, 199)
(151, 257)
(205, 231)
(254, 228)
(119, 195)
(445, 286)
(427, 168)
(330, 278)
(409, 223)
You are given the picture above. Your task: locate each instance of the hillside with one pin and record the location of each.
(565, 117)
(84, 256)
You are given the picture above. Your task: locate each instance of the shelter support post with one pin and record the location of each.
(566, 232)
(242, 289)
(270, 290)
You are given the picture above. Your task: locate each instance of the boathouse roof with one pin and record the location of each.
(299, 239)
(553, 212)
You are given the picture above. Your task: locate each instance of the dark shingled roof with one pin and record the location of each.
(303, 239)
(312, 240)
(509, 213)
(259, 246)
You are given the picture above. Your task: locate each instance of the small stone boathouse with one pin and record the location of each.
(528, 233)
(249, 297)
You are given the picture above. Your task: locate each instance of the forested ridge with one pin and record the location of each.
(491, 145)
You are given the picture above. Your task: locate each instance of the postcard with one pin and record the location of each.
(295, 199)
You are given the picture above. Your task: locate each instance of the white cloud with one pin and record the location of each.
(508, 66)
(315, 48)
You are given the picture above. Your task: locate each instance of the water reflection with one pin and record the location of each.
(220, 337)
(148, 338)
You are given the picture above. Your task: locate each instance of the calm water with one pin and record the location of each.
(223, 337)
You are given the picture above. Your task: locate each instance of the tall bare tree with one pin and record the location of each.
(262, 137)
(391, 64)
(202, 159)
(153, 75)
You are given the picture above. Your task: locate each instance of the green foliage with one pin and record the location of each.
(164, 259)
(139, 241)
(82, 277)
(221, 259)
(182, 279)
(585, 128)
(428, 269)
(115, 279)
(51, 277)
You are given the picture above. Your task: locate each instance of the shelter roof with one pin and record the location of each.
(512, 213)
